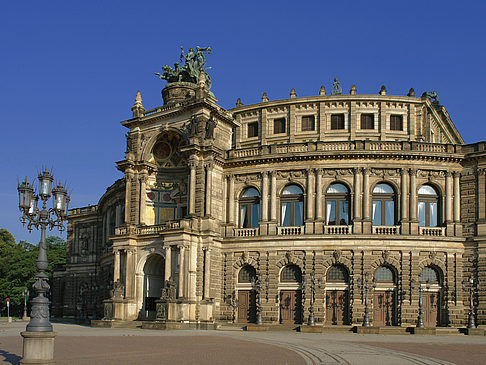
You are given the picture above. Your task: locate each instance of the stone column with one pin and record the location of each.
(128, 191)
(357, 193)
(264, 216)
(273, 198)
(192, 186)
(207, 272)
(448, 197)
(168, 268)
(129, 271)
(310, 194)
(481, 202)
(209, 184)
(191, 272)
(118, 215)
(319, 200)
(404, 202)
(413, 202)
(116, 266)
(143, 196)
(181, 270)
(231, 199)
(457, 197)
(366, 201)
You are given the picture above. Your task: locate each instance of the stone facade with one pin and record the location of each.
(223, 212)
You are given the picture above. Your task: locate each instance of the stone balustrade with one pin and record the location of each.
(386, 230)
(246, 232)
(432, 231)
(290, 231)
(336, 230)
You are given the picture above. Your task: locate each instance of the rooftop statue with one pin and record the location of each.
(195, 63)
(336, 88)
(432, 95)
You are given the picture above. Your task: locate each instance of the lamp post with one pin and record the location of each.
(257, 284)
(365, 285)
(38, 338)
(25, 294)
(473, 285)
(420, 319)
(311, 321)
(233, 302)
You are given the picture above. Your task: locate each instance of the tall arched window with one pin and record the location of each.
(249, 208)
(292, 206)
(292, 274)
(383, 205)
(428, 206)
(247, 274)
(337, 205)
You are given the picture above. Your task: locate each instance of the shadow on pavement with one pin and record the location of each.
(13, 359)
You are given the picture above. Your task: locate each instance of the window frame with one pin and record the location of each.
(307, 129)
(338, 198)
(427, 200)
(284, 125)
(249, 202)
(288, 267)
(333, 122)
(246, 268)
(394, 116)
(292, 199)
(363, 124)
(383, 198)
(254, 127)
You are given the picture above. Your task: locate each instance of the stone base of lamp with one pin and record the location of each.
(38, 348)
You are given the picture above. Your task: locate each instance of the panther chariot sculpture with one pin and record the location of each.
(195, 63)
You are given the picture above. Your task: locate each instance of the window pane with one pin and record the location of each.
(253, 129)
(433, 214)
(308, 123)
(376, 213)
(343, 212)
(427, 190)
(331, 212)
(430, 275)
(337, 188)
(384, 274)
(367, 121)
(389, 213)
(244, 216)
(337, 121)
(396, 122)
(298, 214)
(255, 215)
(383, 189)
(279, 125)
(291, 273)
(337, 273)
(247, 273)
(292, 190)
(421, 214)
(286, 213)
(250, 192)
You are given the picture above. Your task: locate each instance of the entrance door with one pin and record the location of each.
(246, 306)
(384, 308)
(430, 303)
(291, 306)
(153, 282)
(337, 307)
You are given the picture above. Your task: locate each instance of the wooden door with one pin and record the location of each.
(246, 306)
(430, 307)
(337, 307)
(291, 306)
(384, 313)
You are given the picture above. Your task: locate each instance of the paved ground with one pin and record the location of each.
(84, 345)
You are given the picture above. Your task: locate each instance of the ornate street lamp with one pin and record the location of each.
(43, 218)
(25, 295)
(233, 302)
(257, 284)
(311, 322)
(420, 319)
(365, 285)
(473, 285)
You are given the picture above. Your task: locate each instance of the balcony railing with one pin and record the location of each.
(144, 230)
(432, 231)
(338, 229)
(386, 230)
(246, 232)
(290, 231)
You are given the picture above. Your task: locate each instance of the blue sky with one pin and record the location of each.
(69, 71)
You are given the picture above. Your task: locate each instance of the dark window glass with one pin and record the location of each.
(253, 129)
(337, 121)
(430, 275)
(249, 208)
(308, 123)
(384, 275)
(279, 125)
(291, 273)
(337, 273)
(396, 122)
(367, 121)
(247, 273)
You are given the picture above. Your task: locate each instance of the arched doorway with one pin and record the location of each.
(291, 295)
(431, 287)
(384, 297)
(337, 295)
(246, 295)
(153, 281)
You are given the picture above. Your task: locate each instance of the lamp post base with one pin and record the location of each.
(38, 348)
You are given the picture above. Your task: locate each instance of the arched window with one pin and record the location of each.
(384, 275)
(249, 208)
(337, 205)
(383, 205)
(337, 274)
(291, 274)
(292, 206)
(429, 274)
(247, 274)
(428, 206)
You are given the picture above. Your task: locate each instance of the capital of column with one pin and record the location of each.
(457, 174)
(404, 171)
(366, 171)
(356, 170)
(413, 172)
(448, 173)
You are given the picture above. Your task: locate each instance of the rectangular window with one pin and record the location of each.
(253, 129)
(255, 215)
(286, 214)
(308, 123)
(337, 121)
(433, 214)
(279, 125)
(299, 210)
(367, 121)
(331, 212)
(396, 122)
(389, 213)
(421, 214)
(376, 213)
(343, 212)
